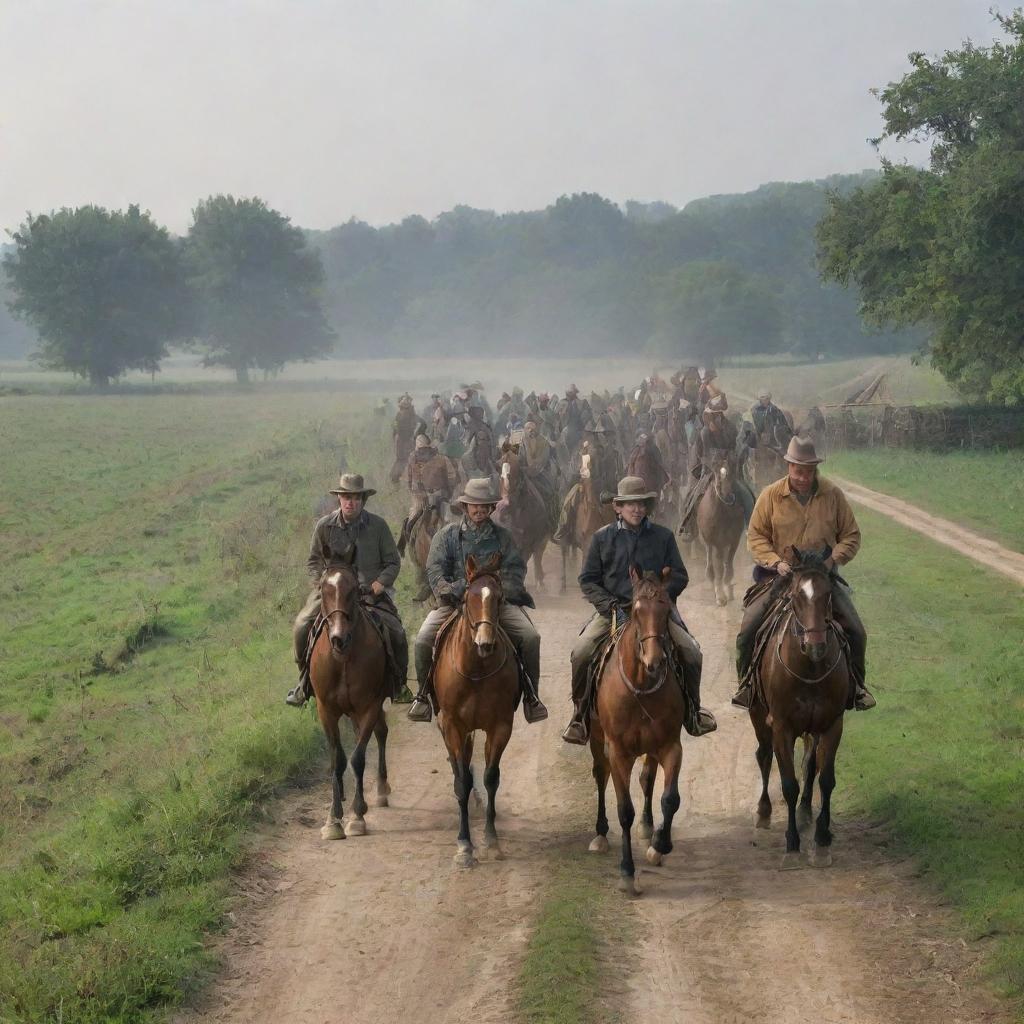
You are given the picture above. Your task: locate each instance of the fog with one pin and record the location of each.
(334, 109)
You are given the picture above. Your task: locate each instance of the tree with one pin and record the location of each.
(944, 247)
(103, 289)
(710, 308)
(257, 287)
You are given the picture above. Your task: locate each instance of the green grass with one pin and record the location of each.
(561, 981)
(153, 552)
(941, 760)
(981, 490)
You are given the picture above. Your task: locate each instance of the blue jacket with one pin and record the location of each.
(454, 543)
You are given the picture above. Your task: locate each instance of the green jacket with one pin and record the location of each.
(454, 543)
(377, 557)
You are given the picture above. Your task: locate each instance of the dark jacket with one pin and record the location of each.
(605, 577)
(377, 557)
(454, 543)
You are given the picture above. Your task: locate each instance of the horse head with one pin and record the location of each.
(511, 471)
(810, 594)
(483, 602)
(725, 475)
(339, 600)
(651, 609)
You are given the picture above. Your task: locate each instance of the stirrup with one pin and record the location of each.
(743, 698)
(534, 711)
(863, 701)
(576, 732)
(420, 710)
(296, 696)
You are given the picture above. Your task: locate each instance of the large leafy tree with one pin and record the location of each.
(103, 289)
(944, 246)
(257, 287)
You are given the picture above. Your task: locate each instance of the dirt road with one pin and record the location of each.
(356, 930)
(987, 552)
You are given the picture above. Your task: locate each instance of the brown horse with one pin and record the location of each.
(720, 525)
(476, 684)
(806, 682)
(523, 511)
(588, 516)
(640, 712)
(347, 670)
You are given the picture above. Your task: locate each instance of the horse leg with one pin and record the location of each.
(599, 844)
(803, 811)
(565, 566)
(718, 565)
(763, 755)
(783, 743)
(661, 842)
(730, 574)
(648, 773)
(494, 747)
(380, 732)
(333, 828)
(622, 771)
(826, 749)
(356, 825)
(460, 749)
(538, 560)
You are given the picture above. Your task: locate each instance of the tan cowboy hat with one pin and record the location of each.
(717, 404)
(801, 452)
(422, 441)
(352, 483)
(478, 492)
(763, 393)
(633, 488)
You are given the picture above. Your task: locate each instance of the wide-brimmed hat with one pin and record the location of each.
(763, 393)
(572, 390)
(479, 491)
(422, 441)
(595, 428)
(633, 488)
(801, 452)
(352, 483)
(717, 404)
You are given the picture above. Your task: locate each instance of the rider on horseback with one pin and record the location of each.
(770, 422)
(807, 511)
(476, 535)
(633, 540)
(377, 562)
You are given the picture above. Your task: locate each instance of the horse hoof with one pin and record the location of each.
(763, 821)
(332, 830)
(791, 861)
(645, 831)
(382, 800)
(653, 857)
(599, 844)
(628, 885)
(355, 827)
(822, 857)
(384, 789)
(465, 859)
(721, 602)
(494, 851)
(478, 800)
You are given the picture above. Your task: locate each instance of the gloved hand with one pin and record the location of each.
(458, 589)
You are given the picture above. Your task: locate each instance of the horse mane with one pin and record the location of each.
(811, 561)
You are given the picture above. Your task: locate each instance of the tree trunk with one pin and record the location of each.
(242, 373)
(99, 380)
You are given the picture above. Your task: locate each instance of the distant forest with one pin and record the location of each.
(726, 275)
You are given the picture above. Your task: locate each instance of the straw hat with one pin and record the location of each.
(352, 483)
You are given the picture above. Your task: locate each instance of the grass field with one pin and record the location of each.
(983, 490)
(153, 551)
(941, 760)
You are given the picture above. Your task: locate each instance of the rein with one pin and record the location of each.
(635, 690)
(474, 626)
(718, 495)
(782, 636)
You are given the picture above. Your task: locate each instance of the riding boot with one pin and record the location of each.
(533, 709)
(420, 710)
(700, 721)
(578, 729)
(299, 694)
(403, 537)
(743, 697)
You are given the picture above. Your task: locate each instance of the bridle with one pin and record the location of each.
(659, 682)
(800, 631)
(474, 626)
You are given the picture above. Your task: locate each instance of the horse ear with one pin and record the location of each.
(666, 574)
(493, 563)
(471, 567)
(826, 552)
(634, 574)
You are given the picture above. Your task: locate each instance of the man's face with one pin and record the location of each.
(632, 512)
(478, 514)
(801, 478)
(351, 505)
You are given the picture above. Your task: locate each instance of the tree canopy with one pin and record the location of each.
(256, 285)
(103, 289)
(944, 246)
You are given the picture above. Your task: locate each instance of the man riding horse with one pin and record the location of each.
(431, 480)
(478, 536)
(479, 440)
(802, 510)
(377, 563)
(717, 435)
(633, 540)
(770, 422)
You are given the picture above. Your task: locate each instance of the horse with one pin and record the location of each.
(523, 510)
(806, 681)
(719, 519)
(640, 712)
(476, 686)
(583, 514)
(418, 545)
(348, 673)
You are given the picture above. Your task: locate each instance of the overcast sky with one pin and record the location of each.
(330, 109)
